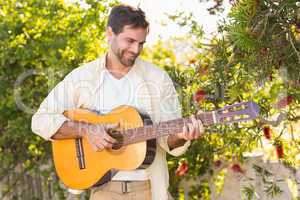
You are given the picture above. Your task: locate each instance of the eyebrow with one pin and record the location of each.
(143, 42)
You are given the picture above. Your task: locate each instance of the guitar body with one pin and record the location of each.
(97, 168)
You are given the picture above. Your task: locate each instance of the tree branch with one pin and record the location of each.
(293, 45)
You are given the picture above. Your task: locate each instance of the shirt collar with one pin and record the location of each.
(102, 64)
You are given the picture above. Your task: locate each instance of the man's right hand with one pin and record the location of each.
(98, 137)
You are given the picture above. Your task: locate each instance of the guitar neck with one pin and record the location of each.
(239, 112)
(165, 128)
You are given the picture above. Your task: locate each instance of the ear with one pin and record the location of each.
(109, 34)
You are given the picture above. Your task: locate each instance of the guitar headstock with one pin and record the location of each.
(238, 112)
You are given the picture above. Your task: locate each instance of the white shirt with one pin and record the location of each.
(118, 92)
(154, 95)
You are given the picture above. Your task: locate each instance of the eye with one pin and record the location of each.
(130, 41)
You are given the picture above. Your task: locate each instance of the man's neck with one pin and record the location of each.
(115, 67)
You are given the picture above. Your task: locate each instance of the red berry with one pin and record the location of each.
(264, 51)
(217, 163)
(285, 101)
(279, 151)
(237, 168)
(267, 132)
(270, 77)
(199, 96)
(182, 169)
(289, 100)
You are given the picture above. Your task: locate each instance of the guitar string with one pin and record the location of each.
(157, 130)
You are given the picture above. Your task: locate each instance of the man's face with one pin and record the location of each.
(128, 44)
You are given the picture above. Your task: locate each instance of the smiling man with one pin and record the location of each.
(119, 78)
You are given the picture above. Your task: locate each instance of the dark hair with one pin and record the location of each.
(123, 15)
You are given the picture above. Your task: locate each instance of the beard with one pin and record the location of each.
(120, 54)
(126, 61)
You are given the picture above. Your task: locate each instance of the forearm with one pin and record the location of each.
(174, 142)
(71, 129)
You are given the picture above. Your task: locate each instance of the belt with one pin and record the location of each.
(125, 186)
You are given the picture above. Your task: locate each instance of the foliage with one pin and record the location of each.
(40, 41)
(255, 57)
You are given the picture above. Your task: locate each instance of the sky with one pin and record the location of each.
(156, 14)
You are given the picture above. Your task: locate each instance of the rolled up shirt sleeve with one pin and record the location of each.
(49, 116)
(170, 109)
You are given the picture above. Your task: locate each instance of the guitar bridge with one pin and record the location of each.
(80, 153)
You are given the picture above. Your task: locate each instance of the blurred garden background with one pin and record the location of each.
(217, 52)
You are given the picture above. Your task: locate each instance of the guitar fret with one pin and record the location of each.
(167, 128)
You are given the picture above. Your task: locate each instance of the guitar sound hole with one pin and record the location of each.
(118, 136)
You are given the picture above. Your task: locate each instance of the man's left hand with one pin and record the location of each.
(192, 130)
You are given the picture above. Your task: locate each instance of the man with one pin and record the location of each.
(119, 78)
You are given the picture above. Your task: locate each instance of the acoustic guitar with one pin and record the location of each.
(80, 167)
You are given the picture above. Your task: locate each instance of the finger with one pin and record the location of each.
(110, 139)
(91, 142)
(191, 132)
(201, 127)
(106, 144)
(193, 119)
(196, 126)
(97, 146)
(94, 147)
(97, 141)
(184, 129)
(199, 112)
(184, 132)
(112, 126)
(197, 131)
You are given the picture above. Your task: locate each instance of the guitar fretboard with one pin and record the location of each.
(170, 127)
